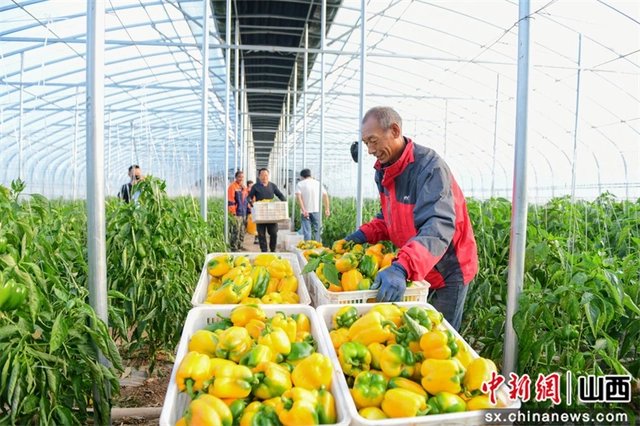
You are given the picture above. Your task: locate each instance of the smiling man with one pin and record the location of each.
(423, 212)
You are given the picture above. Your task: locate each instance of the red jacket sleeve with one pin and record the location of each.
(434, 218)
(231, 193)
(375, 230)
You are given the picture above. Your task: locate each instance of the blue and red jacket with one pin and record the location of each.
(425, 214)
(238, 202)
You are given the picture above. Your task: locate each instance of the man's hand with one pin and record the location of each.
(357, 237)
(326, 212)
(305, 213)
(391, 283)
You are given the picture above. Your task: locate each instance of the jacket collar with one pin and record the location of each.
(393, 170)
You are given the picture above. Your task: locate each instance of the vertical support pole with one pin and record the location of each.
(446, 122)
(323, 42)
(74, 180)
(236, 76)
(108, 175)
(288, 120)
(305, 70)
(519, 199)
(96, 233)
(240, 100)
(225, 174)
(575, 124)
(495, 137)
(205, 110)
(21, 122)
(295, 144)
(133, 144)
(363, 60)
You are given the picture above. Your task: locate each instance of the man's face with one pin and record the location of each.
(240, 178)
(264, 177)
(135, 173)
(382, 144)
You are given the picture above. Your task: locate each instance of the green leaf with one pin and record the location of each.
(592, 313)
(331, 273)
(629, 304)
(59, 332)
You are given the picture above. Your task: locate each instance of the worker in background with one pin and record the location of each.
(423, 212)
(265, 190)
(126, 191)
(238, 207)
(307, 195)
(251, 227)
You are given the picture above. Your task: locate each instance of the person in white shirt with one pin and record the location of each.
(307, 194)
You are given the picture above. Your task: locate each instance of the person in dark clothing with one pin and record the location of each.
(125, 192)
(265, 190)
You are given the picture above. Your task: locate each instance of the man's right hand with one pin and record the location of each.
(357, 237)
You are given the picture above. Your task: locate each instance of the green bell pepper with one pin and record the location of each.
(259, 353)
(271, 380)
(445, 402)
(299, 351)
(420, 315)
(354, 357)
(368, 266)
(345, 317)
(261, 277)
(368, 389)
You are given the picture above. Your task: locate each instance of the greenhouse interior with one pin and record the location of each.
(442, 226)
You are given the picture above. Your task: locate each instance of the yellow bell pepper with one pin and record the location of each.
(338, 337)
(255, 328)
(220, 265)
(435, 317)
(438, 344)
(325, 407)
(286, 323)
(289, 297)
(233, 273)
(302, 322)
(242, 261)
(442, 375)
(272, 298)
(257, 355)
(214, 284)
(390, 311)
(464, 354)
(481, 402)
(232, 381)
(376, 349)
(277, 269)
(288, 283)
(251, 301)
(478, 372)
(400, 402)
(234, 343)
(231, 292)
(373, 413)
(347, 262)
(276, 339)
(258, 413)
(272, 285)
(207, 410)
(340, 246)
(313, 372)
(241, 315)
(271, 380)
(396, 360)
(369, 329)
(264, 259)
(350, 280)
(410, 385)
(380, 372)
(204, 342)
(194, 370)
(297, 406)
(302, 336)
(417, 372)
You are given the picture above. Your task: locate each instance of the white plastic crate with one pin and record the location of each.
(175, 402)
(270, 212)
(326, 312)
(285, 226)
(200, 294)
(322, 296)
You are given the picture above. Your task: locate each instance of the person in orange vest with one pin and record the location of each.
(238, 207)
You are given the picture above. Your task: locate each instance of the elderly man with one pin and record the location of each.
(424, 213)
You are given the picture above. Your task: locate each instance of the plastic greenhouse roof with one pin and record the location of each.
(449, 68)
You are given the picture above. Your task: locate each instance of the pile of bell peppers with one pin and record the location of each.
(355, 265)
(249, 369)
(268, 280)
(403, 362)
